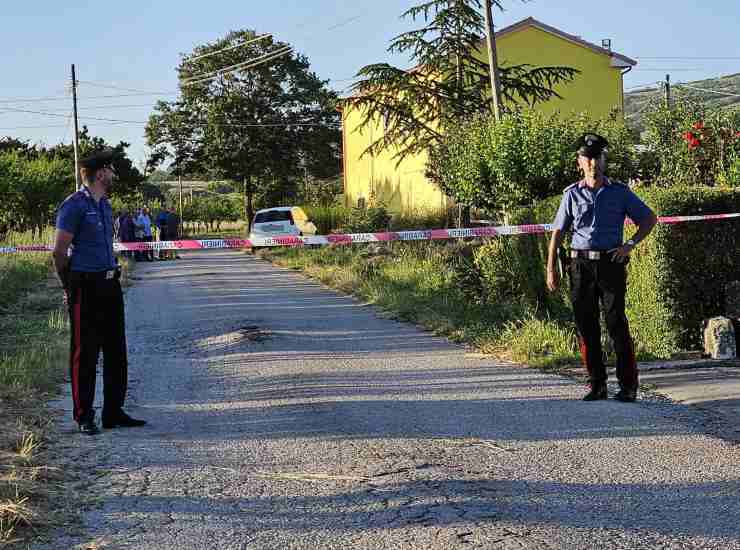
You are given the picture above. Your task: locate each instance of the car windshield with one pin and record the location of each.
(273, 216)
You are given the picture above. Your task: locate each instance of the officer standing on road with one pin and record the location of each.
(90, 278)
(595, 209)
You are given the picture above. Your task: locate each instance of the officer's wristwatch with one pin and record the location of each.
(632, 243)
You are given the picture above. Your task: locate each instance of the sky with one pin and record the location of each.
(122, 49)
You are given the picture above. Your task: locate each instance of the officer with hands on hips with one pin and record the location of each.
(90, 278)
(595, 209)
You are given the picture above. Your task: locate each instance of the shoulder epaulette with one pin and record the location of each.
(75, 195)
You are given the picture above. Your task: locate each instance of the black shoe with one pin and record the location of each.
(597, 393)
(626, 396)
(88, 426)
(122, 420)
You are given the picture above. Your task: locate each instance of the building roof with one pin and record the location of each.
(618, 60)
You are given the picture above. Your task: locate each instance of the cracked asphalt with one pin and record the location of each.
(285, 415)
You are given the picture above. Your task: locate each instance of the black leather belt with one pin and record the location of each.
(589, 254)
(109, 275)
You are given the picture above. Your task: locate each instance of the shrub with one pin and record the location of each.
(327, 219)
(527, 156)
(677, 276)
(366, 220)
(680, 276)
(693, 144)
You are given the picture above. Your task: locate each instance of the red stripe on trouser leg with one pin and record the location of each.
(584, 354)
(76, 353)
(629, 369)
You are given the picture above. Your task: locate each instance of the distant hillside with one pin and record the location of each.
(636, 100)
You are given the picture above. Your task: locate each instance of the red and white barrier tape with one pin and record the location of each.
(322, 240)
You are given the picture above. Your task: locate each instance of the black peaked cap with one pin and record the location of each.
(591, 145)
(98, 159)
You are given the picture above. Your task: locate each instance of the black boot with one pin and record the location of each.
(88, 426)
(121, 420)
(626, 396)
(597, 393)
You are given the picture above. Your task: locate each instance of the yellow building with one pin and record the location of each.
(598, 89)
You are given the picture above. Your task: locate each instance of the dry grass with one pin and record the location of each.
(33, 362)
(25, 483)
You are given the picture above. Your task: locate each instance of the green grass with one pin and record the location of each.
(20, 272)
(417, 283)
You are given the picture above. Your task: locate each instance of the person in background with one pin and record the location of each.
(145, 223)
(125, 229)
(117, 226)
(161, 222)
(173, 229)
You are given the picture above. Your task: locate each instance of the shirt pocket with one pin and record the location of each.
(91, 227)
(583, 214)
(611, 214)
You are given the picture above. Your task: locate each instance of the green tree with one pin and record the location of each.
(31, 189)
(251, 124)
(128, 177)
(449, 83)
(525, 157)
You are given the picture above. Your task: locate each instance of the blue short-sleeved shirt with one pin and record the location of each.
(162, 219)
(597, 217)
(146, 222)
(91, 223)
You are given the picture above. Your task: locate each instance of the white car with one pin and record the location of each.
(283, 221)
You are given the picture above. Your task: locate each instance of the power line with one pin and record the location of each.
(66, 98)
(239, 66)
(33, 99)
(708, 91)
(114, 87)
(34, 127)
(261, 37)
(98, 107)
(119, 121)
(345, 22)
(709, 58)
(672, 70)
(642, 87)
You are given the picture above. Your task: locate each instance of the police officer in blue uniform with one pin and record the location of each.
(595, 209)
(90, 278)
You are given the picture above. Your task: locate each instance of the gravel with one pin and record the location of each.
(285, 415)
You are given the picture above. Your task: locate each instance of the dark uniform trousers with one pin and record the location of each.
(606, 281)
(97, 323)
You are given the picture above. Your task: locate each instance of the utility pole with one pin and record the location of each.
(668, 91)
(493, 62)
(75, 142)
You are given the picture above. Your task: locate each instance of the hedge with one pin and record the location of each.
(677, 277)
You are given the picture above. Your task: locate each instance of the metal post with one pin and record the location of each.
(493, 62)
(75, 141)
(668, 91)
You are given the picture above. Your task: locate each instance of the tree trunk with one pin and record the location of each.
(248, 200)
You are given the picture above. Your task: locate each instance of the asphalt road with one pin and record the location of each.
(284, 415)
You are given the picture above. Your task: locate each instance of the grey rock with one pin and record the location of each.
(719, 338)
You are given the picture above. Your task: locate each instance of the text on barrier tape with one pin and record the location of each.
(350, 238)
